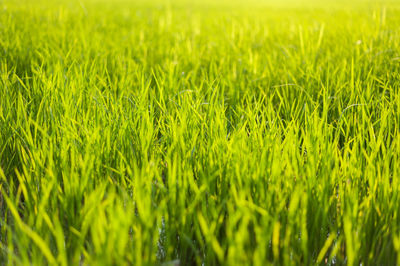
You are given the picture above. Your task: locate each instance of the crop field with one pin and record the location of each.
(199, 132)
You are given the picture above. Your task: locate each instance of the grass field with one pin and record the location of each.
(199, 132)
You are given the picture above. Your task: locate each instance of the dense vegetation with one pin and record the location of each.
(205, 132)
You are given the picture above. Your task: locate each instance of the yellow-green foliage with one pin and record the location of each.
(216, 132)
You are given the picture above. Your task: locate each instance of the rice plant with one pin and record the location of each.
(199, 132)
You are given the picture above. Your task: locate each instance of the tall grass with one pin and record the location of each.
(212, 133)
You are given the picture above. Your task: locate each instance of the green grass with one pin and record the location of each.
(233, 133)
